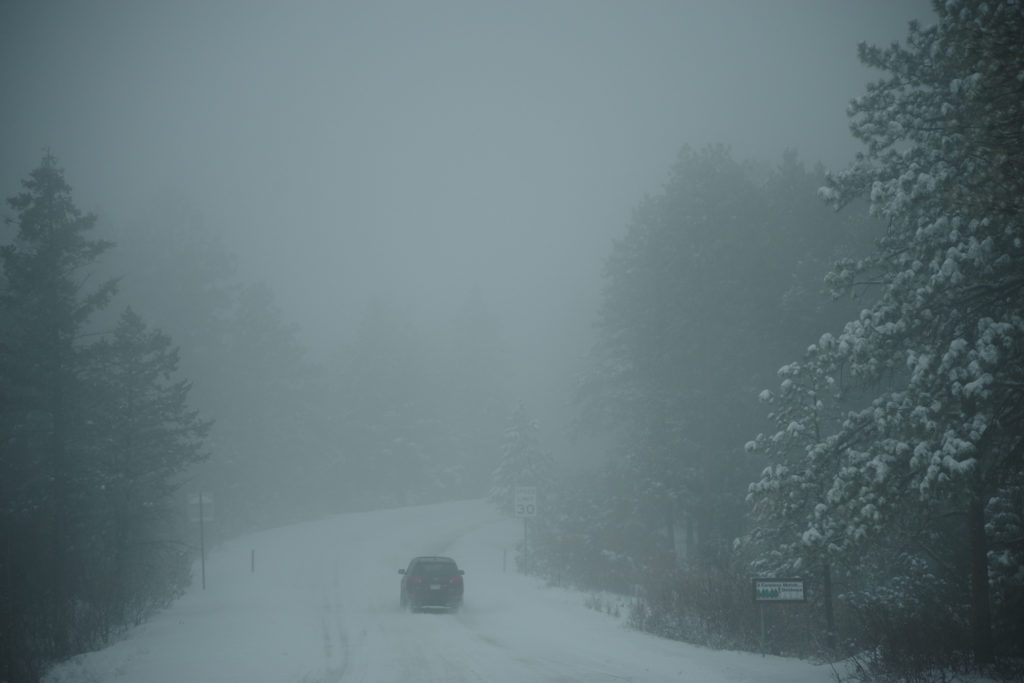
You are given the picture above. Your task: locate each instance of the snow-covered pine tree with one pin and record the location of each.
(938, 353)
(523, 461)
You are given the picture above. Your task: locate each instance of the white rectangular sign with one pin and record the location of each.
(526, 501)
(195, 506)
(779, 590)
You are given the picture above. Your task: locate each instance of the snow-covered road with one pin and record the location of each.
(322, 607)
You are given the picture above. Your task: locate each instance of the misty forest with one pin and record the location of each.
(778, 370)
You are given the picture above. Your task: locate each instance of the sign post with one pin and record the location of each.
(776, 590)
(198, 512)
(526, 507)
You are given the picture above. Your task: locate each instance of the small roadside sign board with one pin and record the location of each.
(200, 507)
(779, 590)
(526, 501)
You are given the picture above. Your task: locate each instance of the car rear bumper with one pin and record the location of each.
(436, 599)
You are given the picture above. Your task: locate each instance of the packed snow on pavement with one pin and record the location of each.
(320, 605)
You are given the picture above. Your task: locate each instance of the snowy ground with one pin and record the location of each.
(322, 607)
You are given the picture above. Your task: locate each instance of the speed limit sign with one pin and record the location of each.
(526, 501)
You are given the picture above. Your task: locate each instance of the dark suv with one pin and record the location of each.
(431, 582)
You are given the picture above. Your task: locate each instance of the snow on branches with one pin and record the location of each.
(919, 402)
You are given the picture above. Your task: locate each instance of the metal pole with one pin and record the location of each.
(761, 607)
(202, 541)
(526, 546)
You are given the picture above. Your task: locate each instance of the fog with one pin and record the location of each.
(419, 154)
(438, 198)
(420, 151)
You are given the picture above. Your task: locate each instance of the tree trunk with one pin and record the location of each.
(981, 609)
(670, 531)
(691, 538)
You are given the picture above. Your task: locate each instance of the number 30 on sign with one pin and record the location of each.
(526, 501)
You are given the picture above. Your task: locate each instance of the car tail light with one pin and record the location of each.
(414, 579)
(456, 581)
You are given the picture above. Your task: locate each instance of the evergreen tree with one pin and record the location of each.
(471, 389)
(910, 422)
(391, 425)
(46, 307)
(270, 465)
(713, 282)
(145, 436)
(523, 461)
(277, 457)
(95, 439)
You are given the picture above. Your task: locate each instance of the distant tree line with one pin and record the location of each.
(524, 462)
(715, 284)
(890, 475)
(392, 414)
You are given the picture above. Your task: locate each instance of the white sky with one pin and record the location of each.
(322, 607)
(420, 149)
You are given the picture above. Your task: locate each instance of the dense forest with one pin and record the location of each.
(884, 464)
(792, 373)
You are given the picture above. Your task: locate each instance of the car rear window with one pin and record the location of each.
(435, 569)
